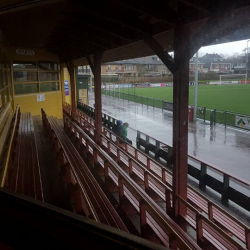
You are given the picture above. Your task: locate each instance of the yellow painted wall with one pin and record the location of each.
(52, 104)
(28, 102)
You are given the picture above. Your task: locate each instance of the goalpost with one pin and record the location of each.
(233, 79)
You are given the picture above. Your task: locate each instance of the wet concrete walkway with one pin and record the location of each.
(228, 149)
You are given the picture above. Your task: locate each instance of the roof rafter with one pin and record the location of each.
(101, 36)
(168, 15)
(103, 25)
(26, 5)
(87, 40)
(197, 5)
(106, 12)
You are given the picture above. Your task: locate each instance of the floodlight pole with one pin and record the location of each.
(247, 63)
(196, 85)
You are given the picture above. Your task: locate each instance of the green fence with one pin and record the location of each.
(226, 118)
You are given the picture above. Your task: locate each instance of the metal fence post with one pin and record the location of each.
(205, 110)
(153, 103)
(225, 189)
(202, 178)
(225, 118)
(214, 116)
(147, 103)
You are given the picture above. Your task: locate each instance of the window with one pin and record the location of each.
(34, 77)
(24, 65)
(48, 66)
(128, 67)
(5, 85)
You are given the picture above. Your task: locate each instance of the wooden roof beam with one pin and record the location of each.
(84, 40)
(26, 5)
(105, 12)
(91, 65)
(62, 40)
(199, 5)
(165, 13)
(104, 25)
(159, 51)
(95, 32)
(69, 44)
(63, 52)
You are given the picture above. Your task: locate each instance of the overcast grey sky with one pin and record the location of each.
(226, 48)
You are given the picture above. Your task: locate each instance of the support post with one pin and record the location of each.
(196, 85)
(180, 71)
(180, 116)
(71, 69)
(96, 69)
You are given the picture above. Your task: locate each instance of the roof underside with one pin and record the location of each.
(74, 29)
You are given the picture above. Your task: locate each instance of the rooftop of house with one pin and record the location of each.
(139, 61)
(148, 60)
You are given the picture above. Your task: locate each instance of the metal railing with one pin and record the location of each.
(148, 102)
(214, 116)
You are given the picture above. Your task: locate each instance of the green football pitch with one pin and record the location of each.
(234, 98)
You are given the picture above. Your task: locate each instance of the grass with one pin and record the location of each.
(234, 98)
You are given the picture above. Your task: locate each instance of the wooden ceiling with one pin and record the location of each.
(74, 29)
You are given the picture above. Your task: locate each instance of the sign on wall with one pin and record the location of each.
(66, 87)
(242, 122)
(41, 98)
(25, 52)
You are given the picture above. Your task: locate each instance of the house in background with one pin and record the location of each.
(215, 63)
(149, 66)
(239, 65)
(192, 63)
(123, 68)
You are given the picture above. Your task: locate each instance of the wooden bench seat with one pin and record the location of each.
(230, 225)
(25, 173)
(93, 198)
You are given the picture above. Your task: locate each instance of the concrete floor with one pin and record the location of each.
(228, 149)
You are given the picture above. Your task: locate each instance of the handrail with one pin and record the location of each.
(15, 125)
(122, 176)
(240, 180)
(203, 197)
(207, 164)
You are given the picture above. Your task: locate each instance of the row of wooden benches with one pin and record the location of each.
(22, 172)
(230, 188)
(216, 214)
(159, 223)
(86, 196)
